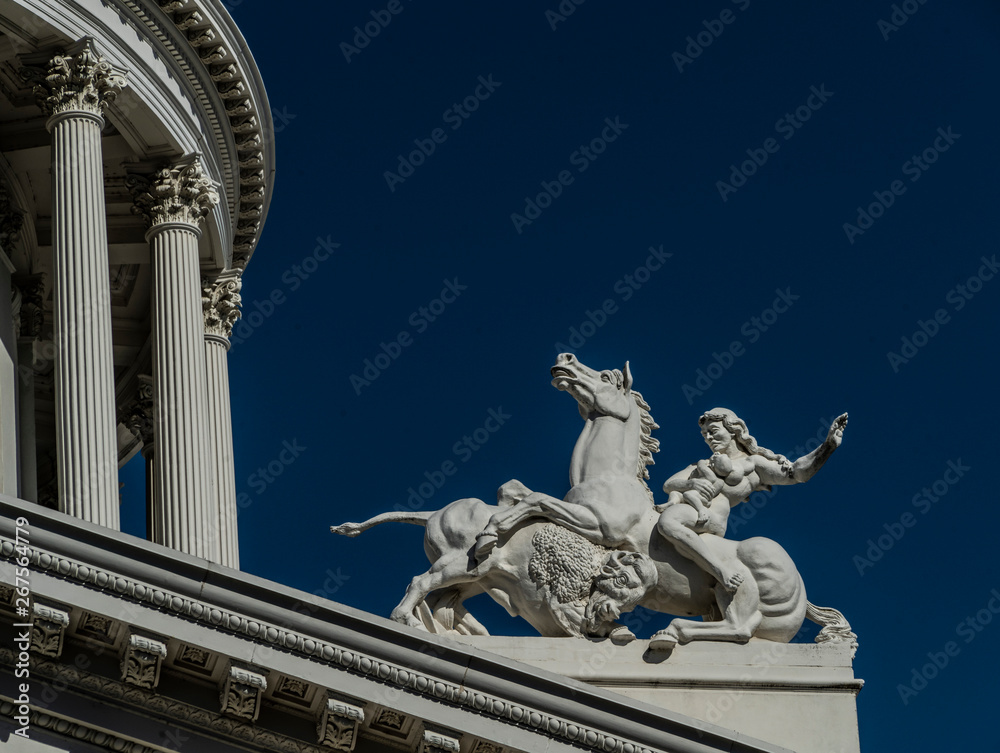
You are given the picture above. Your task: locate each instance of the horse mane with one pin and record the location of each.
(647, 444)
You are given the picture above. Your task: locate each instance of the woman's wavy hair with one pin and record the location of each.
(738, 428)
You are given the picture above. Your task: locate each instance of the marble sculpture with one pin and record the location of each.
(573, 566)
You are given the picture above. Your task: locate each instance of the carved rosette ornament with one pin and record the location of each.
(76, 80)
(221, 302)
(48, 629)
(180, 193)
(338, 724)
(242, 691)
(141, 661)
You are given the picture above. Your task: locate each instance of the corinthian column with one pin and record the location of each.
(221, 304)
(74, 88)
(174, 202)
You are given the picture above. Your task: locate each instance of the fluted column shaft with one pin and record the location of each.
(182, 492)
(221, 304)
(86, 442)
(216, 357)
(74, 87)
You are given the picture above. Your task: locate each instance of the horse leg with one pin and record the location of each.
(575, 517)
(741, 617)
(449, 570)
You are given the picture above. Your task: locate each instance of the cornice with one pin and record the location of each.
(217, 56)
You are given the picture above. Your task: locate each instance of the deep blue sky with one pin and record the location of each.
(342, 125)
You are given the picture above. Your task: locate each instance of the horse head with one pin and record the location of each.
(597, 393)
(621, 447)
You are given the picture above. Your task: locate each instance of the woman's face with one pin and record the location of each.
(717, 436)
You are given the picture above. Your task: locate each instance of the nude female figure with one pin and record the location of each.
(720, 485)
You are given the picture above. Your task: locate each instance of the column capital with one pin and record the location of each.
(177, 193)
(221, 301)
(78, 79)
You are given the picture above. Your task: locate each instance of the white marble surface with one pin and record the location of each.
(801, 696)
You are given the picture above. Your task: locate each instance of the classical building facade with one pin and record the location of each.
(136, 166)
(135, 176)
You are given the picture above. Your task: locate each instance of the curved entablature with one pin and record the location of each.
(236, 107)
(193, 88)
(136, 162)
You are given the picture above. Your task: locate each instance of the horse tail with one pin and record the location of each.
(835, 627)
(353, 529)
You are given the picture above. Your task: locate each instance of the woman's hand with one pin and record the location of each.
(836, 435)
(703, 487)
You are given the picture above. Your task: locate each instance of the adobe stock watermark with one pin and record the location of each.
(563, 11)
(913, 168)
(258, 312)
(968, 630)
(747, 511)
(365, 33)
(454, 116)
(901, 13)
(751, 329)
(625, 287)
(581, 159)
(463, 449)
(701, 40)
(958, 297)
(924, 501)
(266, 475)
(372, 368)
(786, 126)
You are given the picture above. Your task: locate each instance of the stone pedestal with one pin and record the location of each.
(801, 696)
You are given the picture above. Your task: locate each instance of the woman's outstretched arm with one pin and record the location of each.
(805, 467)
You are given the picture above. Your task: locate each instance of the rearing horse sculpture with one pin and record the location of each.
(610, 505)
(608, 494)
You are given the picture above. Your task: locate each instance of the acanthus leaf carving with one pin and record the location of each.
(48, 629)
(79, 79)
(338, 724)
(178, 193)
(221, 301)
(241, 692)
(142, 658)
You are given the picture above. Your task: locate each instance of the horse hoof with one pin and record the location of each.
(662, 641)
(621, 635)
(405, 618)
(485, 543)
